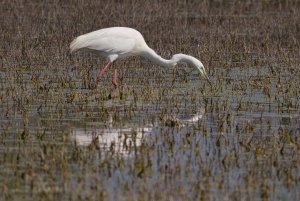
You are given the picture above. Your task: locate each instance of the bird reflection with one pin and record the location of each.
(123, 139)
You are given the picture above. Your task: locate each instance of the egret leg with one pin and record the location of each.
(101, 73)
(115, 79)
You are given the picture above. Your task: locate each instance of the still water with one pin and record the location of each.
(170, 136)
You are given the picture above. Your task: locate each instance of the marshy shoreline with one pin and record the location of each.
(173, 136)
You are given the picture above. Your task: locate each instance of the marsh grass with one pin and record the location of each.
(246, 146)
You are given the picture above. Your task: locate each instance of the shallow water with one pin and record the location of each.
(166, 135)
(170, 131)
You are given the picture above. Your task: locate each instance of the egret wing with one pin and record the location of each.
(116, 40)
(112, 45)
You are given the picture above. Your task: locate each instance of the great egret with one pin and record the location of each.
(121, 42)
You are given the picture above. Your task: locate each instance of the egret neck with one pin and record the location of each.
(154, 57)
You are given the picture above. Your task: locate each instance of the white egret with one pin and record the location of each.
(121, 42)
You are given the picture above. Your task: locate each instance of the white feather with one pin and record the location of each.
(121, 42)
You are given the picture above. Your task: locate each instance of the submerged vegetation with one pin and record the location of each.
(167, 135)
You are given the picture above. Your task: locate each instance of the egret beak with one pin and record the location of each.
(202, 71)
(207, 78)
(204, 74)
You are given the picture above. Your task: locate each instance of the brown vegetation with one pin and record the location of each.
(246, 147)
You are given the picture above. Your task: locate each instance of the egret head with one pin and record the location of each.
(192, 61)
